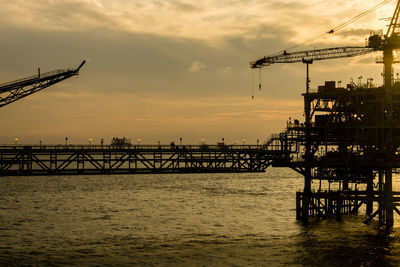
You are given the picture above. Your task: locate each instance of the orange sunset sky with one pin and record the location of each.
(164, 69)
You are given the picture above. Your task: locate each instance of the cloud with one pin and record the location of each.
(265, 115)
(197, 66)
(186, 7)
(208, 19)
(279, 6)
(354, 32)
(167, 67)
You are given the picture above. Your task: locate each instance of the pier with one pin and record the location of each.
(128, 159)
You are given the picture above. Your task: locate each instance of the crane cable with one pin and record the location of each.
(339, 27)
(363, 14)
(332, 31)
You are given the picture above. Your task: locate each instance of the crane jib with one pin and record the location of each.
(316, 54)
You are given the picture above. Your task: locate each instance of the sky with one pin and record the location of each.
(160, 70)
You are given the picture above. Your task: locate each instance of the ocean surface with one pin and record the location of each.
(178, 220)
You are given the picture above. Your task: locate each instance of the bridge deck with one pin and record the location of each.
(83, 159)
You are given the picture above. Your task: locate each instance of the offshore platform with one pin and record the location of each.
(350, 135)
(347, 147)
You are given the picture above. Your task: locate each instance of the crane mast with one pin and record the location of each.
(393, 26)
(391, 42)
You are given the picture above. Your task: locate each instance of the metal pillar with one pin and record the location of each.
(345, 184)
(388, 65)
(307, 167)
(370, 192)
(388, 129)
(388, 197)
(380, 192)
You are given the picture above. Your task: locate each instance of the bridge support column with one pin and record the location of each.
(381, 200)
(298, 205)
(388, 197)
(370, 192)
(308, 156)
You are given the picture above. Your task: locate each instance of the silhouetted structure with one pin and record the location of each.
(350, 136)
(15, 90)
(348, 143)
(118, 159)
(121, 141)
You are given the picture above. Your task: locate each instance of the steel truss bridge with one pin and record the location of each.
(98, 159)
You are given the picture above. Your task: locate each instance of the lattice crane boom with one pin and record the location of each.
(394, 25)
(316, 54)
(15, 90)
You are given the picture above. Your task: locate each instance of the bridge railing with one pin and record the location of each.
(33, 78)
(128, 146)
(285, 141)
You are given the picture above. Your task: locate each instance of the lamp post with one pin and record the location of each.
(138, 141)
(15, 140)
(203, 141)
(90, 141)
(244, 140)
(180, 140)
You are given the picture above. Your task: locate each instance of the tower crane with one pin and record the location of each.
(386, 43)
(15, 90)
(309, 56)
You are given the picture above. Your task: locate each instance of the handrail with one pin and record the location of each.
(127, 146)
(30, 78)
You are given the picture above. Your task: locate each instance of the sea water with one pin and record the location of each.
(178, 220)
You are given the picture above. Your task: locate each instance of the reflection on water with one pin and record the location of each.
(196, 219)
(349, 242)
